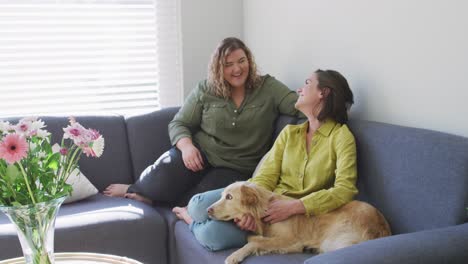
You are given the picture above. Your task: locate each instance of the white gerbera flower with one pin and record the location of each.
(5, 127)
(37, 124)
(98, 146)
(41, 133)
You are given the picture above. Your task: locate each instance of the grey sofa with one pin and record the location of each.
(417, 178)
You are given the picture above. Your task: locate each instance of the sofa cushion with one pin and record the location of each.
(417, 178)
(443, 245)
(281, 122)
(148, 137)
(191, 252)
(171, 220)
(102, 224)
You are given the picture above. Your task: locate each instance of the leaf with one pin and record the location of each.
(12, 172)
(14, 203)
(46, 147)
(53, 161)
(6, 193)
(3, 166)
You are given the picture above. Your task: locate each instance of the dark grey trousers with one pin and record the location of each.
(168, 181)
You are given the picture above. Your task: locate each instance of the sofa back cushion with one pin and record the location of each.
(281, 122)
(417, 178)
(148, 137)
(114, 166)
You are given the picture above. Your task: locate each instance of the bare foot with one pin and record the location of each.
(116, 190)
(137, 197)
(182, 214)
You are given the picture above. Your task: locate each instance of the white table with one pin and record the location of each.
(81, 258)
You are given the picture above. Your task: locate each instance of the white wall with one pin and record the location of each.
(204, 24)
(406, 61)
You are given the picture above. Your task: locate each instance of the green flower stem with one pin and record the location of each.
(39, 249)
(63, 172)
(71, 162)
(27, 182)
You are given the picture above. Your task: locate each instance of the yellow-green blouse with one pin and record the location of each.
(324, 179)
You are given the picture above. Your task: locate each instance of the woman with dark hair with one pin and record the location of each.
(220, 133)
(314, 163)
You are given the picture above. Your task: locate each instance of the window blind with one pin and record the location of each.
(87, 56)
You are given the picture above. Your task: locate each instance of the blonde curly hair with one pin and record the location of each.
(217, 85)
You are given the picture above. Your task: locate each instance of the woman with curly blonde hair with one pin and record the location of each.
(221, 87)
(219, 134)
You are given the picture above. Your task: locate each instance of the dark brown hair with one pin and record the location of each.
(217, 84)
(339, 98)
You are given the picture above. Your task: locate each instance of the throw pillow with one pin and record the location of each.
(82, 187)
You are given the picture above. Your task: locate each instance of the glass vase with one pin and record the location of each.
(35, 225)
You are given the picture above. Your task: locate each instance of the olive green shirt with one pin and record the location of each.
(324, 178)
(232, 137)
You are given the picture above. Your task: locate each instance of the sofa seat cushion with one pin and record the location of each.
(102, 224)
(171, 220)
(189, 251)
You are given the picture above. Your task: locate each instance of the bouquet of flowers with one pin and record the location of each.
(33, 179)
(31, 169)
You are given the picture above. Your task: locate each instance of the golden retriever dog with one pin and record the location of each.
(350, 224)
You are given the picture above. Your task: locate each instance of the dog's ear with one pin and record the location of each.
(248, 195)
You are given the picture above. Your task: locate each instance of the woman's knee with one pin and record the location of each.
(198, 205)
(210, 239)
(215, 235)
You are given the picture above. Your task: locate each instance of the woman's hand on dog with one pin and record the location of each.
(247, 222)
(280, 210)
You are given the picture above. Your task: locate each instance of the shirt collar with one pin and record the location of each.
(325, 129)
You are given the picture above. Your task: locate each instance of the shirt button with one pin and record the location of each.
(233, 123)
(235, 111)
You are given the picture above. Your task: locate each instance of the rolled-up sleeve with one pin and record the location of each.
(188, 118)
(285, 99)
(344, 188)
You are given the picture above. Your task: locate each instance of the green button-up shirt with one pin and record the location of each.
(233, 137)
(323, 178)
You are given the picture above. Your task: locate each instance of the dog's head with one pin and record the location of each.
(236, 200)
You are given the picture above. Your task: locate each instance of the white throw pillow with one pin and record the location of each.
(82, 187)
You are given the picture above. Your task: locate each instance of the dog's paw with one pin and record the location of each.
(232, 259)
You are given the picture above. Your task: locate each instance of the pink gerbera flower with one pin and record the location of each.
(13, 148)
(89, 151)
(74, 131)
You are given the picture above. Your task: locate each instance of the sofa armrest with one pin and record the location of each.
(443, 245)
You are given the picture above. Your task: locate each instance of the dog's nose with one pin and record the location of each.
(210, 210)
